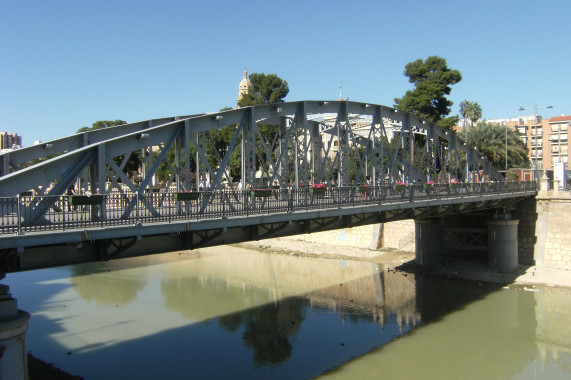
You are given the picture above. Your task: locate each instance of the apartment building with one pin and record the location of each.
(10, 140)
(546, 140)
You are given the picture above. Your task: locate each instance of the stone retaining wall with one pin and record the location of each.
(553, 229)
(526, 213)
(398, 235)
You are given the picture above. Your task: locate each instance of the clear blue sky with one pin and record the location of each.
(65, 64)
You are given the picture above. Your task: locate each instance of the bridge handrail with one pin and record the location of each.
(105, 210)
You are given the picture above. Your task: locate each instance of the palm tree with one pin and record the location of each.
(490, 139)
(465, 110)
(471, 111)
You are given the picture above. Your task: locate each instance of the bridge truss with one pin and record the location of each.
(338, 143)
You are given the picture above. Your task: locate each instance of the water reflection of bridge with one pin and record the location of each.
(364, 286)
(378, 295)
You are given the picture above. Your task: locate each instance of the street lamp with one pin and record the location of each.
(535, 108)
(506, 151)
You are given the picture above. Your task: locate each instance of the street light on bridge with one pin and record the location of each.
(535, 108)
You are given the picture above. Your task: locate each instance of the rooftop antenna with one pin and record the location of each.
(340, 91)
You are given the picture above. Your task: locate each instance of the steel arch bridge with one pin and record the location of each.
(377, 164)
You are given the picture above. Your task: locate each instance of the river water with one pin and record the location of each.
(233, 313)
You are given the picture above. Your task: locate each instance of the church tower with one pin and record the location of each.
(245, 85)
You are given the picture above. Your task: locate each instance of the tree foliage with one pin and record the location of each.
(266, 89)
(471, 111)
(490, 139)
(102, 124)
(432, 80)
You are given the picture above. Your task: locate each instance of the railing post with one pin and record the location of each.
(19, 215)
(63, 210)
(102, 209)
(223, 199)
(137, 208)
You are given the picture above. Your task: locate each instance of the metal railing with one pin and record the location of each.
(19, 215)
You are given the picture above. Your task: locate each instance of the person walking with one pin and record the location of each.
(70, 192)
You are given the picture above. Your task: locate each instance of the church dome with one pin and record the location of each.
(245, 85)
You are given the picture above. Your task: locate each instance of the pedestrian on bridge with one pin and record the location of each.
(70, 192)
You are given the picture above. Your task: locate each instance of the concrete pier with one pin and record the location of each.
(428, 241)
(13, 330)
(503, 243)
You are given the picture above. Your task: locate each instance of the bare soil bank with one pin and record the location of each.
(467, 268)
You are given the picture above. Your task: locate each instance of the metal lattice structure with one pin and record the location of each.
(340, 143)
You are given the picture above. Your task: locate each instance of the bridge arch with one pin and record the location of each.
(338, 142)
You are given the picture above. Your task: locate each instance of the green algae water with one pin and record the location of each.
(232, 313)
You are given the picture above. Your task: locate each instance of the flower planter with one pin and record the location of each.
(399, 188)
(186, 196)
(363, 189)
(261, 193)
(428, 188)
(453, 188)
(317, 191)
(84, 200)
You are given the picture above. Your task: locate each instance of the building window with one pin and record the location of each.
(554, 128)
(563, 127)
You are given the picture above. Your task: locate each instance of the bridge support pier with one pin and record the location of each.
(502, 243)
(428, 241)
(13, 329)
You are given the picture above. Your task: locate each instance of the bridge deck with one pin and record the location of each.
(101, 217)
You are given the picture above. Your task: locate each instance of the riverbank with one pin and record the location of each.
(468, 268)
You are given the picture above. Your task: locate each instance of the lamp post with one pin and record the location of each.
(535, 108)
(466, 142)
(507, 151)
